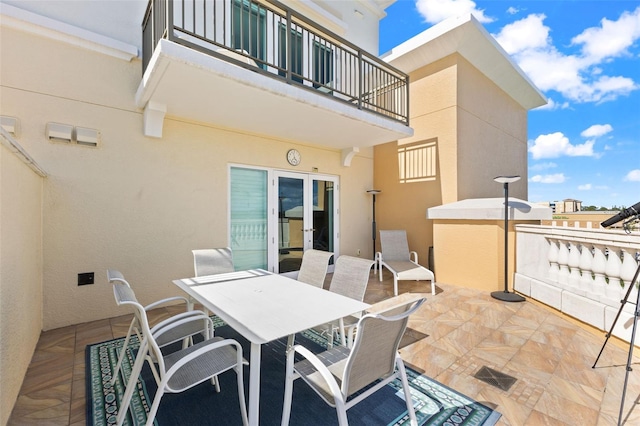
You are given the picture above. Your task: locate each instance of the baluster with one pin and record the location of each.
(612, 271)
(585, 265)
(574, 262)
(627, 272)
(563, 263)
(598, 268)
(552, 257)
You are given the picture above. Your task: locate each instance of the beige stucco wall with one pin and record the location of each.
(470, 253)
(20, 273)
(480, 133)
(134, 203)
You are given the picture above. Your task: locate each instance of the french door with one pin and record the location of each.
(276, 215)
(306, 217)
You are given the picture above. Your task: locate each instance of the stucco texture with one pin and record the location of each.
(20, 273)
(135, 203)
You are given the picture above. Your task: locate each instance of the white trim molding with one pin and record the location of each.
(7, 140)
(22, 20)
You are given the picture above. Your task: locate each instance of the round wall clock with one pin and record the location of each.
(293, 157)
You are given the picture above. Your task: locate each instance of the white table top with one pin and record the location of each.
(264, 307)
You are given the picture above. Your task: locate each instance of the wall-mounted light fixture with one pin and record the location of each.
(57, 132)
(10, 125)
(88, 137)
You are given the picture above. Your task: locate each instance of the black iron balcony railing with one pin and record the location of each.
(272, 39)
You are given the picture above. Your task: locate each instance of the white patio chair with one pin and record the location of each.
(350, 279)
(212, 261)
(397, 258)
(184, 368)
(338, 373)
(124, 295)
(313, 269)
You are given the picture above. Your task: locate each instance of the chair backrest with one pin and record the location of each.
(122, 291)
(313, 269)
(350, 276)
(394, 245)
(212, 261)
(375, 347)
(125, 295)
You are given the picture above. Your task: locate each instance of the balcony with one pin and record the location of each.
(449, 339)
(264, 69)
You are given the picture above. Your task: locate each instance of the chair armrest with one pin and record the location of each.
(415, 256)
(167, 300)
(320, 368)
(179, 320)
(203, 350)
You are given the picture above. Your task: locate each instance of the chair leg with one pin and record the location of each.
(433, 288)
(243, 404)
(343, 339)
(395, 285)
(123, 353)
(407, 391)
(131, 384)
(341, 411)
(288, 390)
(154, 407)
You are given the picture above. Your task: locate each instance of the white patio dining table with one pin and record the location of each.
(264, 307)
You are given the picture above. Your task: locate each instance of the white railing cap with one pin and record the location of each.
(490, 209)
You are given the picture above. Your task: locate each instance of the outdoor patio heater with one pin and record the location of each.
(505, 295)
(374, 192)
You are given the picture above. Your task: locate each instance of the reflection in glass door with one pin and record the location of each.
(306, 217)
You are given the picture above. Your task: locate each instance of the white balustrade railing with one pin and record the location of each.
(583, 272)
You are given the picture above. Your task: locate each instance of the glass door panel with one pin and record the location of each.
(249, 218)
(291, 219)
(307, 216)
(323, 215)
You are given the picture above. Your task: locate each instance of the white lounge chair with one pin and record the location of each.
(339, 372)
(313, 269)
(396, 257)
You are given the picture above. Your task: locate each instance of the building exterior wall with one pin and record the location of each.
(470, 253)
(492, 137)
(21, 257)
(134, 203)
(480, 133)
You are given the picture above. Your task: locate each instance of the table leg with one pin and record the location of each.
(254, 384)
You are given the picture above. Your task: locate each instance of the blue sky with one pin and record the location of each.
(584, 56)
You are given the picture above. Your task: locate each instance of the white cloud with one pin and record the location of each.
(553, 105)
(633, 176)
(596, 131)
(612, 39)
(585, 187)
(434, 11)
(555, 178)
(576, 77)
(513, 10)
(543, 166)
(523, 35)
(556, 145)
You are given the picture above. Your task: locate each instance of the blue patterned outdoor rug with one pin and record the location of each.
(435, 404)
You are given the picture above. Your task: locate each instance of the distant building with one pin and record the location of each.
(565, 206)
